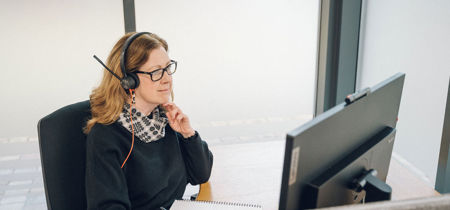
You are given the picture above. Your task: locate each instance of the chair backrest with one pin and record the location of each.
(62, 146)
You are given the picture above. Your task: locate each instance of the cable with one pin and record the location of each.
(132, 130)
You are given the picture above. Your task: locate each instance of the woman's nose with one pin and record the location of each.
(166, 77)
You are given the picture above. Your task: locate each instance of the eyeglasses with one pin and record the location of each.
(157, 74)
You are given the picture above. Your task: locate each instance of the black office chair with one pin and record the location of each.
(62, 146)
(63, 156)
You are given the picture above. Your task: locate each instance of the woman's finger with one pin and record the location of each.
(169, 117)
(180, 117)
(174, 113)
(168, 105)
(171, 107)
(170, 113)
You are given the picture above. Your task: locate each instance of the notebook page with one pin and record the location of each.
(207, 205)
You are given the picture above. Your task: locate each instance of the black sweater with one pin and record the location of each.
(155, 174)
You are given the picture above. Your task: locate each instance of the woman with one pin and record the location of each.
(146, 161)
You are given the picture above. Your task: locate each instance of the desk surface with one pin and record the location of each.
(251, 173)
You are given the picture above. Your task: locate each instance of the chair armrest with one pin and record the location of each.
(205, 192)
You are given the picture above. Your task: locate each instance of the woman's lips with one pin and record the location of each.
(164, 90)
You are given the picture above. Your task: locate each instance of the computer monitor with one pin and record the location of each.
(342, 156)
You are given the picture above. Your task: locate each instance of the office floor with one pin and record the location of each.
(21, 184)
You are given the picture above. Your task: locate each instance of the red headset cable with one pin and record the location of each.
(132, 130)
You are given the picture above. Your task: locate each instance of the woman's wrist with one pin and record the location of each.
(188, 134)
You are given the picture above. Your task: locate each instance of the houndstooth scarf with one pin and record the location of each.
(146, 128)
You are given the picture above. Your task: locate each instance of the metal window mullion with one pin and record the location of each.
(129, 16)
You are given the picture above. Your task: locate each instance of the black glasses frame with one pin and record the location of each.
(172, 62)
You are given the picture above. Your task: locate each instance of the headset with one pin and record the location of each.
(129, 80)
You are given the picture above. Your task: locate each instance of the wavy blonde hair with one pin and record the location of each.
(108, 98)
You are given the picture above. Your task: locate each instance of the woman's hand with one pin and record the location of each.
(178, 120)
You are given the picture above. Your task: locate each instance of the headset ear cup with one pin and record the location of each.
(131, 81)
(135, 79)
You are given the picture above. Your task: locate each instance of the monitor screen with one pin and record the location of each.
(326, 157)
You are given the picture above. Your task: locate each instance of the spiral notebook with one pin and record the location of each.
(216, 205)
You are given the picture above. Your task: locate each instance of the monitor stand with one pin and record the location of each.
(376, 190)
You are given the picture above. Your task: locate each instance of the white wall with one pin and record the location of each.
(411, 36)
(237, 59)
(46, 56)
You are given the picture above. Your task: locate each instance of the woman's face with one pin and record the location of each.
(150, 93)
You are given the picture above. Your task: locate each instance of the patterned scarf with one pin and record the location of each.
(146, 128)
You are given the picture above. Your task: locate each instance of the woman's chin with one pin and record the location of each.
(164, 100)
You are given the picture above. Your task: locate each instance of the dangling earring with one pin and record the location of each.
(133, 97)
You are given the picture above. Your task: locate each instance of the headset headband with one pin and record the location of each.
(123, 56)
